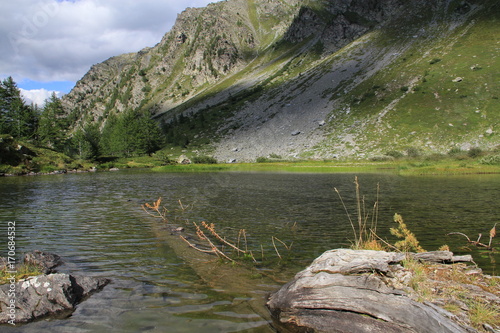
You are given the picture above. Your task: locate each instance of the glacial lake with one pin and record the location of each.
(95, 222)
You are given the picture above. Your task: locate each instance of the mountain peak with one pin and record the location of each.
(312, 78)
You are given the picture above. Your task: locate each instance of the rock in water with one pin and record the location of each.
(46, 295)
(45, 261)
(346, 291)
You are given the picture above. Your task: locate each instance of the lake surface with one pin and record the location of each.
(95, 222)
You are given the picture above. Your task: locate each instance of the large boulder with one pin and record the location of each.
(183, 159)
(46, 295)
(348, 291)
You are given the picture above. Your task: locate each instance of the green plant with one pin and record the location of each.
(409, 242)
(163, 157)
(262, 159)
(395, 153)
(475, 152)
(21, 272)
(482, 312)
(419, 278)
(204, 160)
(455, 151)
(490, 160)
(412, 152)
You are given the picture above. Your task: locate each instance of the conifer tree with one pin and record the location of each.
(16, 118)
(131, 133)
(53, 125)
(86, 142)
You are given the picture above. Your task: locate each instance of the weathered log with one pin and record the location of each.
(331, 295)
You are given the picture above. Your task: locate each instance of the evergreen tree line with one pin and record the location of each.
(126, 134)
(47, 126)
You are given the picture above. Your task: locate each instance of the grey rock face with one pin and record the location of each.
(46, 295)
(347, 291)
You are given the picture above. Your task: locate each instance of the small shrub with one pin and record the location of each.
(163, 157)
(490, 160)
(395, 153)
(5, 168)
(262, 159)
(475, 152)
(48, 168)
(412, 152)
(106, 165)
(455, 151)
(204, 160)
(381, 158)
(435, 157)
(409, 242)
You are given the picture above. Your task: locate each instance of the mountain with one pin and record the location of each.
(313, 78)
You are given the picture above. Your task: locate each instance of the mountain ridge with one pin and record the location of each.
(309, 79)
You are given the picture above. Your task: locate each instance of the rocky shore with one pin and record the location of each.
(359, 291)
(56, 172)
(49, 294)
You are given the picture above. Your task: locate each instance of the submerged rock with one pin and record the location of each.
(354, 291)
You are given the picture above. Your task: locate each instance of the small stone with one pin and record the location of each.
(45, 261)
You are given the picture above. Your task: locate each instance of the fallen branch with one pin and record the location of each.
(162, 214)
(476, 243)
(211, 228)
(276, 249)
(383, 241)
(215, 250)
(194, 246)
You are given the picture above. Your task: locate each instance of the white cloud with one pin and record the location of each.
(38, 96)
(47, 40)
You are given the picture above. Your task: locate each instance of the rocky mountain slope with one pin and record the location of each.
(313, 78)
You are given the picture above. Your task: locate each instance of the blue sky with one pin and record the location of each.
(62, 86)
(48, 45)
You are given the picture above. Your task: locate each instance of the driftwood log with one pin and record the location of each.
(348, 291)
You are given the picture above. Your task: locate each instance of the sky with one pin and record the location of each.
(48, 45)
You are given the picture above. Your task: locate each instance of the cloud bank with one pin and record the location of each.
(37, 96)
(49, 40)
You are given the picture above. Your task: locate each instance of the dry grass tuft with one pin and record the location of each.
(460, 289)
(365, 236)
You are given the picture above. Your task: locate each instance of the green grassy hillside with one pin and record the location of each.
(312, 79)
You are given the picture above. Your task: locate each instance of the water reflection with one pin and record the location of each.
(95, 223)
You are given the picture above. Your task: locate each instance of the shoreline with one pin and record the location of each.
(402, 168)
